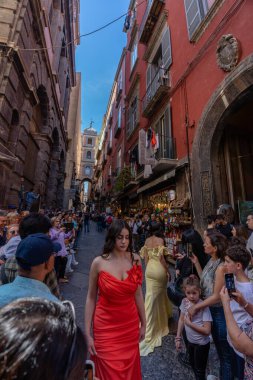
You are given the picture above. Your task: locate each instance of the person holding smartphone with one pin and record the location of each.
(236, 261)
(212, 280)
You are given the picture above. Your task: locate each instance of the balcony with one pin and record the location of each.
(117, 130)
(166, 155)
(139, 172)
(150, 18)
(98, 153)
(104, 161)
(118, 95)
(158, 88)
(109, 148)
(110, 119)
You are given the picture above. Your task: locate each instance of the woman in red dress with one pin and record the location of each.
(117, 317)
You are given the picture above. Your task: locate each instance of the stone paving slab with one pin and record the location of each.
(162, 364)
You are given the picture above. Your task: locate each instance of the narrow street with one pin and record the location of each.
(160, 365)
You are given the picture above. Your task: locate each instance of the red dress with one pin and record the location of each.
(116, 327)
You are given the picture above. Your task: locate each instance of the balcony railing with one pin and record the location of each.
(109, 148)
(150, 18)
(167, 148)
(166, 155)
(117, 130)
(159, 87)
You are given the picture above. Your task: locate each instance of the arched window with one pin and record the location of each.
(88, 155)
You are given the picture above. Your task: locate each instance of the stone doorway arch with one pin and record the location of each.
(208, 136)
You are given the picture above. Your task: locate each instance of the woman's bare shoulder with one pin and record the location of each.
(97, 262)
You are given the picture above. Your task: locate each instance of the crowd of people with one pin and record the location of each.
(212, 289)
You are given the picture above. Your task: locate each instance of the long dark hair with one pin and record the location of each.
(37, 331)
(193, 237)
(220, 242)
(114, 230)
(157, 230)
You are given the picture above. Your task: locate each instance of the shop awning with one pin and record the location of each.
(156, 181)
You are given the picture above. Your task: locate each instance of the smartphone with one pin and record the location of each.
(89, 370)
(188, 250)
(230, 283)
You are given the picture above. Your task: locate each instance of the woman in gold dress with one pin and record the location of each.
(158, 308)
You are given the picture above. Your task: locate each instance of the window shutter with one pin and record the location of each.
(119, 118)
(148, 77)
(194, 15)
(167, 122)
(169, 141)
(166, 49)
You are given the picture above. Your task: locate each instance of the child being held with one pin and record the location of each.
(197, 330)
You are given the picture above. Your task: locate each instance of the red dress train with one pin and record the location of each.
(116, 327)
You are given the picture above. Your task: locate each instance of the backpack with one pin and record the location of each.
(109, 220)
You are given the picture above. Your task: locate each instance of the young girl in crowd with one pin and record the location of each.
(197, 329)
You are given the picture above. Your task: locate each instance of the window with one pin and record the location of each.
(119, 82)
(196, 11)
(89, 141)
(110, 141)
(134, 53)
(88, 155)
(119, 118)
(160, 64)
(132, 116)
(87, 170)
(164, 131)
(119, 162)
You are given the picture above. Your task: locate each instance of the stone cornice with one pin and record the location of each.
(162, 21)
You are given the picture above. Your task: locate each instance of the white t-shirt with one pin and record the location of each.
(199, 318)
(240, 314)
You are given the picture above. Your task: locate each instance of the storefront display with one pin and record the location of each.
(176, 216)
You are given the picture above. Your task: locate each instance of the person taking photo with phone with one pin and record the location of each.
(236, 261)
(211, 281)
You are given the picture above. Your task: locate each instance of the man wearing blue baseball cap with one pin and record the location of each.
(35, 257)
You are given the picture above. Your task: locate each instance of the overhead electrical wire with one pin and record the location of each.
(75, 39)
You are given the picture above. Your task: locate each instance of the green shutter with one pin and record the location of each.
(166, 49)
(194, 15)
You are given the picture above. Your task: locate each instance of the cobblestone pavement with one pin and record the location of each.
(162, 364)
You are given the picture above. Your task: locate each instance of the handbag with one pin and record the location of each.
(175, 292)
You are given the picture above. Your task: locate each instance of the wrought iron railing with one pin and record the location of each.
(167, 148)
(161, 78)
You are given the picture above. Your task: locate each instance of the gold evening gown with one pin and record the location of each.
(158, 308)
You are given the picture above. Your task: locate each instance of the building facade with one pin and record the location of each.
(37, 72)
(89, 142)
(73, 154)
(188, 93)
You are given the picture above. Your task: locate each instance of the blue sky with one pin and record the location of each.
(98, 55)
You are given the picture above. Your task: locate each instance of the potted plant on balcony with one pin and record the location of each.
(123, 178)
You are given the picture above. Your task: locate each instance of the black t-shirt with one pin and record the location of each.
(225, 230)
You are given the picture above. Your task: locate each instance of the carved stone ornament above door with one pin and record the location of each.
(228, 52)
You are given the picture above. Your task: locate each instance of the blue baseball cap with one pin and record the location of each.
(35, 249)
